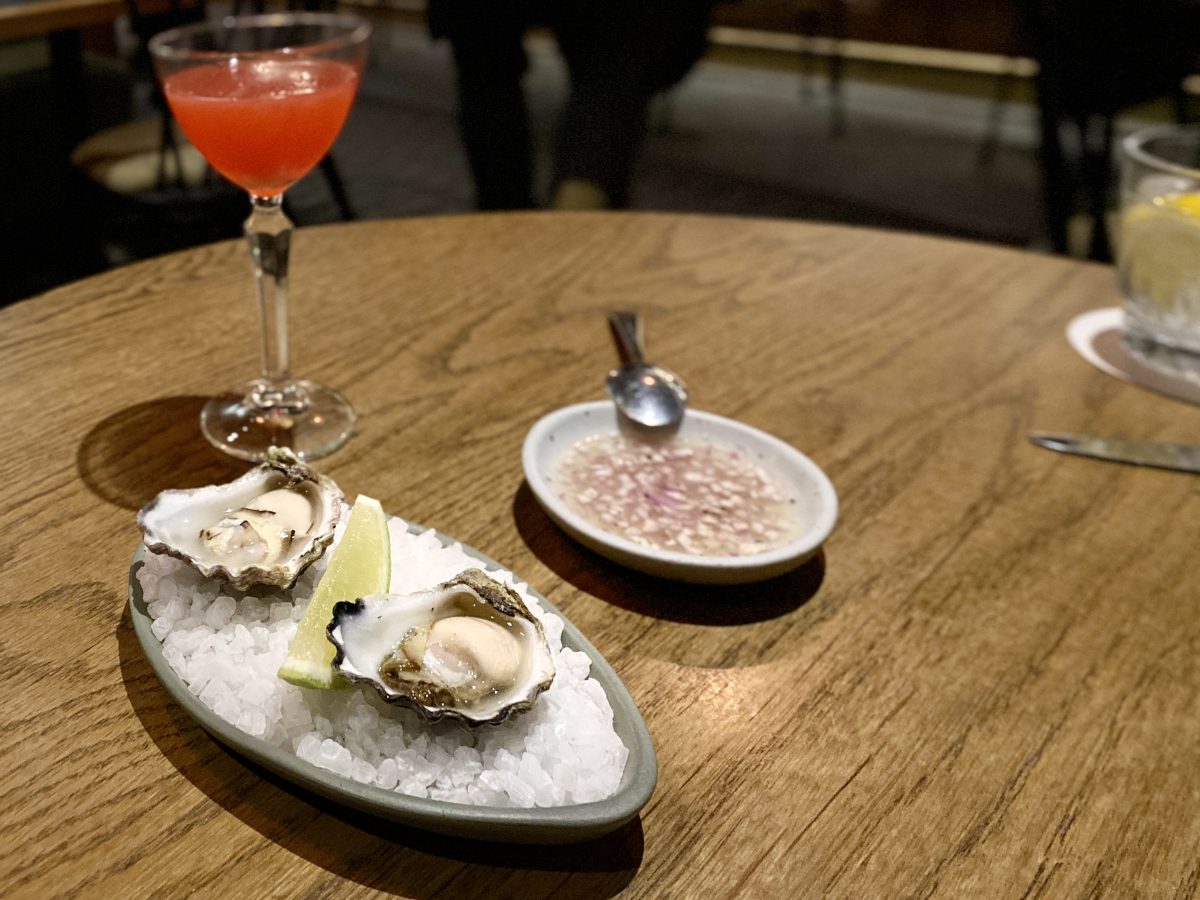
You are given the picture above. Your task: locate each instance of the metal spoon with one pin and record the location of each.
(649, 397)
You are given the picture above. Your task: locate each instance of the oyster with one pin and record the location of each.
(264, 528)
(468, 649)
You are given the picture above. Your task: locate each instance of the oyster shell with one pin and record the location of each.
(468, 649)
(266, 527)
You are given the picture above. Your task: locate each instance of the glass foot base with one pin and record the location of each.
(1173, 360)
(310, 419)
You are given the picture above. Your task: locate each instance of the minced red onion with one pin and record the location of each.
(687, 496)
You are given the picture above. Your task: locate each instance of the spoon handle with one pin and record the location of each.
(626, 330)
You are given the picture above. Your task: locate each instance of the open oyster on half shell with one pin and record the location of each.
(266, 527)
(468, 649)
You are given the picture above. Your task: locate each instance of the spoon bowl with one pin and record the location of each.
(649, 398)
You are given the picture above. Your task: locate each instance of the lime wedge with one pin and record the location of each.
(361, 564)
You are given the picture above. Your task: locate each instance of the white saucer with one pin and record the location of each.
(1096, 336)
(557, 432)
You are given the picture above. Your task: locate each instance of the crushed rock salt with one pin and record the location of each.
(227, 647)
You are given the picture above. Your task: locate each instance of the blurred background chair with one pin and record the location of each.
(142, 182)
(147, 153)
(819, 28)
(1096, 58)
(141, 179)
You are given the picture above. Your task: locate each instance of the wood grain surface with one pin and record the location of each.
(986, 686)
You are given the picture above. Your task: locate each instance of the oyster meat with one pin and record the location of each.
(468, 649)
(266, 527)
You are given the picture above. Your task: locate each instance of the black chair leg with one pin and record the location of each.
(1056, 186)
(809, 23)
(837, 19)
(338, 188)
(1097, 162)
(1001, 96)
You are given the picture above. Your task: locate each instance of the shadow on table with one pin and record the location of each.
(133, 454)
(696, 604)
(370, 851)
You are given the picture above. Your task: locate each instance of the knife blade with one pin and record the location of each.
(1176, 457)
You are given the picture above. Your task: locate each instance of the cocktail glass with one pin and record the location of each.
(263, 99)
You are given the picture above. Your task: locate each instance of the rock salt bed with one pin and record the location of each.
(227, 647)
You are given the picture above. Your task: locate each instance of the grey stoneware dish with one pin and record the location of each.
(554, 825)
(556, 432)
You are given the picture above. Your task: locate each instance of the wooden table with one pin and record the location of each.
(988, 685)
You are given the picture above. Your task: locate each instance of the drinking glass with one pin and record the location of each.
(1158, 260)
(263, 98)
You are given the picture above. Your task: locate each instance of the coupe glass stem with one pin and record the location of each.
(269, 234)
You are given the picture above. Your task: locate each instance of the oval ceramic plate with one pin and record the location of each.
(549, 825)
(555, 433)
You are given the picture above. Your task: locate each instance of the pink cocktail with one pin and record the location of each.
(263, 98)
(263, 125)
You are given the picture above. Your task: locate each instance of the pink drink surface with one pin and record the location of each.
(263, 123)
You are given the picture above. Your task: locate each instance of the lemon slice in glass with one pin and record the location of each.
(361, 564)
(1160, 249)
